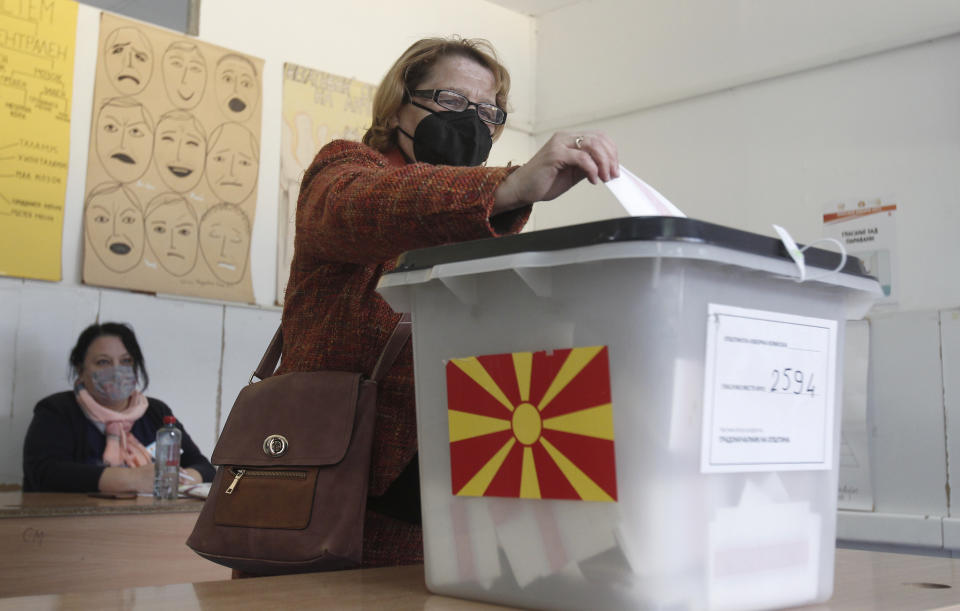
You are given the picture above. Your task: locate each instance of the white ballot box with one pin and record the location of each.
(633, 413)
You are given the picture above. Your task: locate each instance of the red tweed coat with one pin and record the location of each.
(358, 210)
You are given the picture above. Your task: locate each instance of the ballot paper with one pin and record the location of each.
(638, 198)
(764, 552)
(530, 538)
(461, 544)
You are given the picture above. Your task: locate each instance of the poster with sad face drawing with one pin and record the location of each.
(174, 157)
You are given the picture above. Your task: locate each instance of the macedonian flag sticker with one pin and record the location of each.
(532, 425)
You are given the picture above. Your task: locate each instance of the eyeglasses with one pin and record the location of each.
(451, 100)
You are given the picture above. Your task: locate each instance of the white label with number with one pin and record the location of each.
(768, 392)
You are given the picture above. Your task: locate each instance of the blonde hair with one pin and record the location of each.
(413, 67)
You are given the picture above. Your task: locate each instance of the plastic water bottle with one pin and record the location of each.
(166, 480)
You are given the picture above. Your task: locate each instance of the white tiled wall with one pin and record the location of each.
(11, 428)
(181, 342)
(950, 352)
(49, 319)
(915, 435)
(246, 334)
(909, 458)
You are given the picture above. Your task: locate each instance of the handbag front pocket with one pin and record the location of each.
(265, 497)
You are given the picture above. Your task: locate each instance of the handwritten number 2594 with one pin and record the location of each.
(792, 380)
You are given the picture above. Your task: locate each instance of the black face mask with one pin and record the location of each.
(451, 138)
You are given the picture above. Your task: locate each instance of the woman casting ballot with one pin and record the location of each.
(94, 438)
(417, 180)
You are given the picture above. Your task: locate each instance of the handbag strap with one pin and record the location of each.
(399, 337)
(270, 358)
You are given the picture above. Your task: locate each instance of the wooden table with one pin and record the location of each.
(864, 580)
(59, 542)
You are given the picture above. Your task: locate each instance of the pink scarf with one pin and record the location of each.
(123, 449)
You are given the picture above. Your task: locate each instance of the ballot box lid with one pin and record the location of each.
(624, 230)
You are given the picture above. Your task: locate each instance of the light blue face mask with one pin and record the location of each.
(115, 383)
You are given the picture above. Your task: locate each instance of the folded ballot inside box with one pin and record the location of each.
(634, 413)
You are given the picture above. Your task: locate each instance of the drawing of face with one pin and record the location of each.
(232, 162)
(128, 59)
(124, 139)
(225, 242)
(114, 226)
(179, 150)
(236, 85)
(172, 233)
(184, 74)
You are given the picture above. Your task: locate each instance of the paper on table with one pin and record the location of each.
(200, 491)
(639, 198)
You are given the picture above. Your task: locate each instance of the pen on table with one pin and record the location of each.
(187, 476)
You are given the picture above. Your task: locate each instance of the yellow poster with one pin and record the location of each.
(171, 191)
(36, 88)
(317, 107)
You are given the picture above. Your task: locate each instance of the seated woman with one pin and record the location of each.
(94, 438)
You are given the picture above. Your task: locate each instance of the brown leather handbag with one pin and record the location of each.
(293, 463)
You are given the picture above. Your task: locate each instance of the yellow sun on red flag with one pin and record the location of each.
(532, 425)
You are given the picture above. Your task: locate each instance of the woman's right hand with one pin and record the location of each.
(562, 162)
(123, 479)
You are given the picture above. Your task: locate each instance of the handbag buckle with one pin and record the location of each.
(275, 445)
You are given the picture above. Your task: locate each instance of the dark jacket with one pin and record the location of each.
(58, 444)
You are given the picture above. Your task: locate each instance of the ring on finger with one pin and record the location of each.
(578, 142)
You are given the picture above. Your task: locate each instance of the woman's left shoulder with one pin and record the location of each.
(348, 151)
(156, 405)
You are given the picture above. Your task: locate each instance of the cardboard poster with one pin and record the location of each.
(317, 107)
(170, 197)
(36, 89)
(867, 229)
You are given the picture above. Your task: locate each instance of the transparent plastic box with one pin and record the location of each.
(667, 533)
